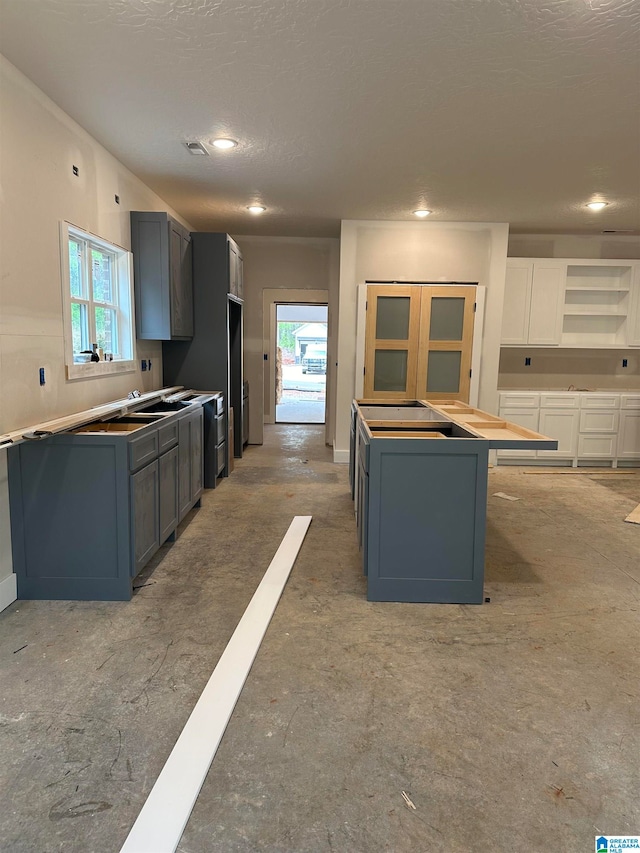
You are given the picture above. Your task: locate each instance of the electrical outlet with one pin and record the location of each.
(143, 364)
(527, 362)
(42, 379)
(624, 362)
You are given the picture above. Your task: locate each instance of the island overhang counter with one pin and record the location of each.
(418, 472)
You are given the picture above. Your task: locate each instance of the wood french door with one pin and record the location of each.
(418, 341)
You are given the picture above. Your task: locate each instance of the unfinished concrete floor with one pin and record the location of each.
(512, 726)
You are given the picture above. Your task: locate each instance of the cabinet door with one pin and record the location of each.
(168, 476)
(144, 515)
(392, 335)
(184, 467)
(233, 270)
(633, 320)
(547, 303)
(563, 426)
(175, 277)
(517, 302)
(629, 436)
(526, 417)
(196, 437)
(186, 286)
(446, 340)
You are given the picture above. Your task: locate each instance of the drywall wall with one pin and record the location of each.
(604, 246)
(418, 251)
(559, 369)
(40, 144)
(289, 265)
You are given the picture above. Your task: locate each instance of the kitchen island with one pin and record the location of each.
(418, 473)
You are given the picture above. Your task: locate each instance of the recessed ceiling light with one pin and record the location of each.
(256, 208)
(597, 205)
(224, 144)
(421, 213)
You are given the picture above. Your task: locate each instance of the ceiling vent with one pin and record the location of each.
(196, 148)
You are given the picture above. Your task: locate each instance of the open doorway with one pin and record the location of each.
(301, 363)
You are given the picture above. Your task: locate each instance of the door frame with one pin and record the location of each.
(476, 348)
(288, 296)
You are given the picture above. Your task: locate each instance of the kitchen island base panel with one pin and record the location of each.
(426, 523)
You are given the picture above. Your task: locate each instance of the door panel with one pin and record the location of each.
(446, 340)
(391, 340)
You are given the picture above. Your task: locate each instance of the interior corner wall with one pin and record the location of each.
(289, 264)
(418, 251)
(40, 144)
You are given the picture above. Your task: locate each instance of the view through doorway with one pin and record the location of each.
(301, 363)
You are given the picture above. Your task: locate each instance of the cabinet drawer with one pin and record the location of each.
(514, 400)
(597, 446)
(600, 422)
(167, 436)
(559, 401)
(630, 401)
(143, 449)
(599, 401)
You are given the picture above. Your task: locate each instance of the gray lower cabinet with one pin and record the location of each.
(89, 508)
(190, 462)
(421, 519)
(145, 516)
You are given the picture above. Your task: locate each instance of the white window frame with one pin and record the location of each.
(123, 305)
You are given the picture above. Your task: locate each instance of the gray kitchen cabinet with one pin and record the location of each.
(168, 493)
(420, 470)
(91, 506)
(145, 517)
(213, 359)
(190, 468)
(162, 271)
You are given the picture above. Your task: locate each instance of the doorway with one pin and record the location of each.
(301, 363)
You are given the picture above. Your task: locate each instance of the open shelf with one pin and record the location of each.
(599, 277)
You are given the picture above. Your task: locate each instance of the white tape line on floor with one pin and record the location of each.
(161, 822)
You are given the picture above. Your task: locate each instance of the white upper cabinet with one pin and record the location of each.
(571, 303)
(533, 302)
(547, 297)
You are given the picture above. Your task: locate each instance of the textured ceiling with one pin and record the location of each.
(515, 111)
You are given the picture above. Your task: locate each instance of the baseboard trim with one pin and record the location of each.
(8, 591)
(340, 456)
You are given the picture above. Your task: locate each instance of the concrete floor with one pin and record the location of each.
(512, 726)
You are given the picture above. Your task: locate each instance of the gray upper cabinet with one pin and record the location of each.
(162, 277)
(236, 287)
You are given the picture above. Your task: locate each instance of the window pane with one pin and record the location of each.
(79, 329)
(392, 318)
(106, 336)
(101, 268)
(443, 372)
(390, 370)
(75, 268)
(447, 317)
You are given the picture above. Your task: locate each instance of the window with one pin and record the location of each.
(98, 304)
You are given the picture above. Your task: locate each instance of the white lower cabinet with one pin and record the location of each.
(603, 427)
(629, 435)
(561, 424)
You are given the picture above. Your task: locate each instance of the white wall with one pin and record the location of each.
(40, 144)
(418, 251)
(290, 264)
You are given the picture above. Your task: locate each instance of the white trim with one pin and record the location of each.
(476, 346)
(160, 824)
(341, 457)
(8, 591)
